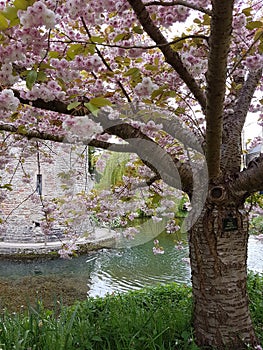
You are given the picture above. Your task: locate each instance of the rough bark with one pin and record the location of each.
(221, 27)
(218, 251)
(249, 180)
(234, 123)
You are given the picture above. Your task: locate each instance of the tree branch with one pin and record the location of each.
(151, 154)
(221, 27)
(34, 134)
(170, 55)
(234, 123)
(139, 46)
(105, 62)
(251, 179)
(244, 100)
(182, 3)
(53, 106)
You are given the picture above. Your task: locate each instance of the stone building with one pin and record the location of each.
(37, 176)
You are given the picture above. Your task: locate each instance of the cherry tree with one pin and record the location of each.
(169, 81)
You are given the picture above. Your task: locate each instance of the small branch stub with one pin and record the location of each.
(217, 194)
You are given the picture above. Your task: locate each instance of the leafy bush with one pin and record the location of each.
(256, 225)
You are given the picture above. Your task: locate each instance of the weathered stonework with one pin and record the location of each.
(22, 215)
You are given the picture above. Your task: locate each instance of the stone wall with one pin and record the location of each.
(24, 215)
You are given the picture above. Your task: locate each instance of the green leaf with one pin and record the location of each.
(53, 54)
(134, 72)
(10, 13)
(138, 29)
(3, 22)
(122, 60)
(92, 108)
(74, 50)
(31, 79)
(14, 22)
(197, 21)
(100, 102)
(254, 24)
(96, 338)
(247, 11)
(90, 49)
(97, 39)
(21, 4)
(158, 91)
(156, 198)
(7, 187)
(170, 93)
(22, 129)
(151, 67)
(73, 105)
(41, 76)
(45, 66)
(119, 37)
(207, 20)
(258, 33)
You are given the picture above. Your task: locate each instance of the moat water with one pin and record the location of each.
(104, 271)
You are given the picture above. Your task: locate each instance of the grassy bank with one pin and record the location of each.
(149, 319)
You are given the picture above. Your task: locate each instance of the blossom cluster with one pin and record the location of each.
(8, 101)
(145, 88)
(254, 62)
(90, 63)
(151, 128)
(157, 249)
(76, 8)
(130, 232)
(69, 71)
(239, 21)
(81, 128)
(48, 92)
(194, 60)
(6, 75)
(172, 226)
(168, 15)
(65, 70)
(37, 15)
(14, 52)
(258, 140)
(95, 11)
(68, 249)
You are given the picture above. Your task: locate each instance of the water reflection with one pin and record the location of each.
(111, 270)
(137, 267)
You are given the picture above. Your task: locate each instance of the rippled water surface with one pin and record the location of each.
(111, 270)
(102, 272)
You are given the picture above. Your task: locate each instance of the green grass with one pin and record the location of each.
(149, 319)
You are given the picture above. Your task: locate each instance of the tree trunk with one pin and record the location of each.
(218, 252)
